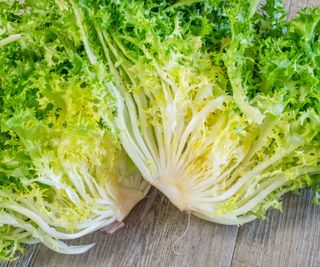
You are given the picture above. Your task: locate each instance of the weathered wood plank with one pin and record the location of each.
(150, 242)
(290, 238)
(295, 5)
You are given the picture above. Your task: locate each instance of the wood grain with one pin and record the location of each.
(290, 238)
(150, 242)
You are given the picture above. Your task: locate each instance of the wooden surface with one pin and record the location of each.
(150, 242)
(290, 238)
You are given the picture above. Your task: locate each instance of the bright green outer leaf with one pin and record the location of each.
(218, 103)
(63, 173)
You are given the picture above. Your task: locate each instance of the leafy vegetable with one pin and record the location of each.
(63, 173)
(218, 103)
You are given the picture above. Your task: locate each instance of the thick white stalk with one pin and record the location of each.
(106, 199)
(167, 126)
(48, 229)
(73, 196)
(146, 129)
(87, 181)
(159, 138)
(188, 155)
(136, 131)
(6, 218)
(273, 183)
(225, 219)
(277, 183)
(128, 142)
(77, 182)
(10, 39)
(244, 179)
(198, 119)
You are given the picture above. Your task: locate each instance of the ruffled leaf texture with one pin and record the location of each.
(217, 101)
(63, 172)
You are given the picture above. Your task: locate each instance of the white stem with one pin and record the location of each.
(84, 38)
(127, 140)
(10, 39)
(244, 179)
(146, 129)
(106, 199)
(51, 231)
(278, 182)
(225, 219)
(77, 182)
(73, 196)
(274, 183)
(198, 119)
(136, 132)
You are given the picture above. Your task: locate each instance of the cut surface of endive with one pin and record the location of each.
(209, 100)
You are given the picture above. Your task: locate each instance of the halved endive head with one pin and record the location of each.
(218, 106)
(63, 173)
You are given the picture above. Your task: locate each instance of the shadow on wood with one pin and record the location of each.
(150, 242)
